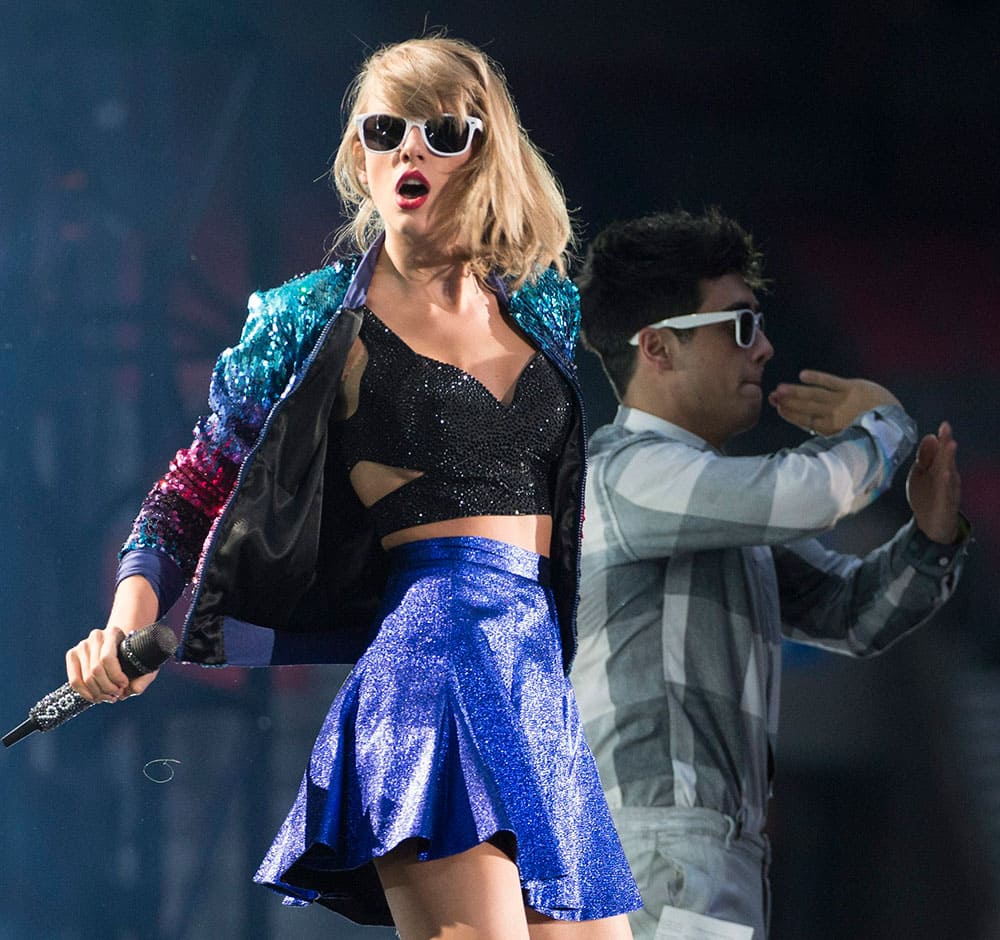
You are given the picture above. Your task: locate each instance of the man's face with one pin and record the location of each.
(718, 383)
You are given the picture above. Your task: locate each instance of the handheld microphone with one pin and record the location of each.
(141, 652)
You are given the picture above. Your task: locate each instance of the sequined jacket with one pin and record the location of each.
(258, 512)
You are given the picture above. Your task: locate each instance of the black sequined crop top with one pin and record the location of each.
(477, 456)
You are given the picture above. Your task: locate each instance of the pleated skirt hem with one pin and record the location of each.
(456, 727)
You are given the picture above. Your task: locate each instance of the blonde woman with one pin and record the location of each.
(392, 475)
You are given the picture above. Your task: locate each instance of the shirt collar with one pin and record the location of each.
(634, 419)
(358, 290)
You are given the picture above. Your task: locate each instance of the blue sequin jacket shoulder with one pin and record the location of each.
(285, 561)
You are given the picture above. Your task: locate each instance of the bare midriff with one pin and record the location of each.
(533, 533)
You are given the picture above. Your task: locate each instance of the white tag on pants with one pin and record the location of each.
(678, 924)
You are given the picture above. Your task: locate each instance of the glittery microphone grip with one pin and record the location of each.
(139, 653)
(57, 707)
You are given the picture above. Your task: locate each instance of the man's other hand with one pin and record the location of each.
(934, 488)
(825, 403)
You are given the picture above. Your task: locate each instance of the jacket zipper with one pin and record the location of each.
(206, 555)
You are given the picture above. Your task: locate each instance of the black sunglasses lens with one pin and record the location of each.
(447, 134)
(746, 328)
(383, 132)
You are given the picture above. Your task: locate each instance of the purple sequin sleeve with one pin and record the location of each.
(178, 512)
(280, 330)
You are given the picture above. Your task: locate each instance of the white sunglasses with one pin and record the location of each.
(444, 135)
(747, 323)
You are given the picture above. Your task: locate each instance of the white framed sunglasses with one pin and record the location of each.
(444, 135)
(746, 324)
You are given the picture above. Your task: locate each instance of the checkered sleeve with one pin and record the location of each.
(862, 606)
(667, 498)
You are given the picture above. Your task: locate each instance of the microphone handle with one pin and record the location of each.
(49, 713)
(26, 727)
(57, 707)
(139, 653)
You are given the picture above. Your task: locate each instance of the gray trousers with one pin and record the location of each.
(698, 860)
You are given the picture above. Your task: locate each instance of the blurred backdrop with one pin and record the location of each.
(160, 159)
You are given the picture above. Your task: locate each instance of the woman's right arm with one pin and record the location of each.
(92, 665)
(176, 517)
(177, 514)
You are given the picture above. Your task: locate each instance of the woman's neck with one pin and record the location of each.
(442, 278)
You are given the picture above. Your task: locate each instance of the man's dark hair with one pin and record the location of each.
(648, 269)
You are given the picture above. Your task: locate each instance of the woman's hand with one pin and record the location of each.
(92, 666)
(825, 403)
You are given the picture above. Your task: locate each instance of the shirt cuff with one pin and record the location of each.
(894, 430)
(162, 572)
(934, 557)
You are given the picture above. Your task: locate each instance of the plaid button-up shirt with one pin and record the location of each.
(695, 565)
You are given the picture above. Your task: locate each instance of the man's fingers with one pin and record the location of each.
(938, 453)
(805, 420)
(805, 396)
(793, 413)
(926, 452)
(945, 462)
(947, 436)
(823, 379)
(817, 396)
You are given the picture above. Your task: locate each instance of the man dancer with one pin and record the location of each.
(695, 564)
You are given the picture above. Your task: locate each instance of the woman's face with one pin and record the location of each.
(406, 184)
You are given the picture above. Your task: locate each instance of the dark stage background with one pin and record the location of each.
(159, 160)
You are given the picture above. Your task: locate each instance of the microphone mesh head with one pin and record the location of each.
(152, 646)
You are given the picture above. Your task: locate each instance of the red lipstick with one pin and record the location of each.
(412, 190)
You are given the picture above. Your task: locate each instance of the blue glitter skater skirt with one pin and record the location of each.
(456, 726)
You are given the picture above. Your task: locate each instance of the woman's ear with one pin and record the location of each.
(359, 165)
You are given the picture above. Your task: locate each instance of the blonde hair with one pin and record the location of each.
(506, 212)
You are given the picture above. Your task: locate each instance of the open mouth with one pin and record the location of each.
(412, 190)
(412, 187)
